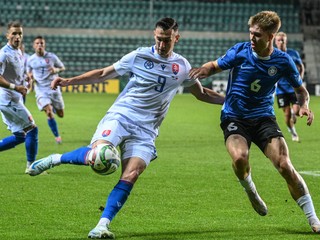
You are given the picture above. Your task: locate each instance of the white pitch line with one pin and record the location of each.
(311, 173)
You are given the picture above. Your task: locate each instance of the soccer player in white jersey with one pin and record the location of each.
(14, 113)
(133, 120)
(248, 115)
(42, 68)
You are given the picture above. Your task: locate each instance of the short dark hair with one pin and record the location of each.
(14, 24)
(167, 23)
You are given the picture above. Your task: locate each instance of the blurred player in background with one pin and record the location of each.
(284, 91)
(25, 75)
(42, 68)
(132, 122)
(14, 113)
(248, 115)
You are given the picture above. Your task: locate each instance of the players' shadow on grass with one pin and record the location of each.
(173, 235)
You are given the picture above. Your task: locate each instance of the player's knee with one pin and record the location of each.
(285, 168)
(20, 137)
(132, 175)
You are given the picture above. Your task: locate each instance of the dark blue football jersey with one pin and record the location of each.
(252, 81)
(283, 86)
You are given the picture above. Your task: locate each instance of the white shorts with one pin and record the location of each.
(50, 97)
(133, 140)
(16, 116)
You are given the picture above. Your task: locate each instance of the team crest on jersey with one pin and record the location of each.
(47, 60)
(175, 68)
(106, 133)
(272, 71)
(148, 65)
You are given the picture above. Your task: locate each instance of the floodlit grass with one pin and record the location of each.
(189, 192)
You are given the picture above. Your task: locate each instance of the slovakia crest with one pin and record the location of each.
(175, 68)
(47, 60)
(106, 133)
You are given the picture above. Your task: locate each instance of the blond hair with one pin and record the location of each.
(268, 21)
(281, 34)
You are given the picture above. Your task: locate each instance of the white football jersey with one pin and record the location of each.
(11, 68)
(153, 83)
(40, 65)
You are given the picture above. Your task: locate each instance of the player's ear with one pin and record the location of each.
(177, 38)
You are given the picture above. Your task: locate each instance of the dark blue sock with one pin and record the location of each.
(53, 126)
(116, 199)
(32, 144)
(77, 156)
(12, 141)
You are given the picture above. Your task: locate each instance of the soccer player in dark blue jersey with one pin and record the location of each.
(248, 115)
(286, 96)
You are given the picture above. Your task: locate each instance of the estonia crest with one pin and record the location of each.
(272, 71)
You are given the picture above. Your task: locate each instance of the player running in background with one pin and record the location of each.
(284, 91)
(25, 75)
(43, 67)
(132, 122)
(248, 115)
(14, 113)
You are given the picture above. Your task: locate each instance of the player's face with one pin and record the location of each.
(15, 36)
(261, 41)
(39, 46)
(281, 42)
(165, 41)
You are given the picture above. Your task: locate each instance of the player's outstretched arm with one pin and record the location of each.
(206, 94)
(205, 71)
(93, 76)
(303, 99)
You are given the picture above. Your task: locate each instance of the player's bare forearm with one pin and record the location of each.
(303, 100)
(93, 76)
(205, 70)
(206, 94)
(213, 97)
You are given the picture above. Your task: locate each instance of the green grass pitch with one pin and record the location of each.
(189, 192)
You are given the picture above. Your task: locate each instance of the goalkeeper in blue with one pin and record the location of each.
(132, 122)
(248, 115)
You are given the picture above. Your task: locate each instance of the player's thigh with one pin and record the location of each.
(277, 151)
(140, 146)
(43, 101)
(57, 101)
(16, 116)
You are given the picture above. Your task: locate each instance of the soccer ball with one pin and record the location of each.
(104, 159)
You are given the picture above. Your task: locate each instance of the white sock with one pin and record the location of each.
(306, 204)
(104, 222)
(56, 159)
(248, 184)
(292, 131)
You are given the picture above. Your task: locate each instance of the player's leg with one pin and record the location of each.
(132, 168)
(277, 151)
(48, 109)
(11, 119)
(137, 151)
(31, 145)
(237, 147)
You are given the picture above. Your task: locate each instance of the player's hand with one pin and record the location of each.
(199, 73)
(307, 112)
(21, 89)
(58, 82)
